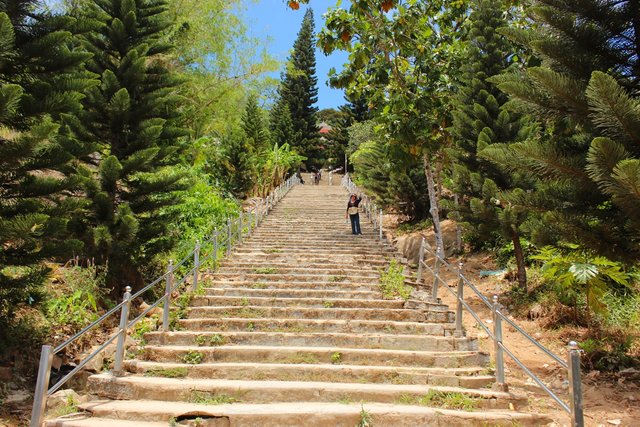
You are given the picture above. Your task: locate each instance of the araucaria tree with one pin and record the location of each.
(132, 123)
(299, 91)
(489, 203)
(39, 82)
(585, 92)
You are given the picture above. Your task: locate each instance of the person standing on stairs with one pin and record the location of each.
(353, 213)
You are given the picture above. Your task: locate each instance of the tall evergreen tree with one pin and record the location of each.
(589, 158)
(133, 123)
(254, 127)
(354, 111)
(281, 124)
(40, 80)
(299, 90)
(488, 207)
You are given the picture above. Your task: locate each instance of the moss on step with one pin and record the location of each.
(167, 373)
(441, 399)
(206, 398)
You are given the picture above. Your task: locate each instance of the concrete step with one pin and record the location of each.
(335, 274)
(260, 291)
(313, 355)
(470, 377)
(255, 324)
(303, 414)
(316, 264)
(310, 313)
(209, 284)
(189, 389)
(212, 301)
(288, 277)
(328, 312)
(315, 339)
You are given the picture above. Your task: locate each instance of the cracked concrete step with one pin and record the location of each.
(285, 261)
(303, 414)
(275, 277)
(470, 377)
(187, 389)
(307, 299)
(329, 312)
(254, 324)
(262, 291)
(309, 339)
(210, 284)
(211, 301)
(337, 274)
(312, 355)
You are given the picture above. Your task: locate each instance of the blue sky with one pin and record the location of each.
(274, 22)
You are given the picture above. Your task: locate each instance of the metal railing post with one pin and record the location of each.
(460, 297)
(380, 224)
(122, 331)
(228, 236)
(249, 223)
(499, 356)
(420, 260)
(215, 248)
(167, 298)
(196, 266)
(575, 386)
(240, 227)
(42, 386)
(436, 277)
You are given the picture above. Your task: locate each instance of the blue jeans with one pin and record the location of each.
(355, 224)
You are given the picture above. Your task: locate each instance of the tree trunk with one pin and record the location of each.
(458, 228)
(433, 201)
(519, 253)
(438, 179)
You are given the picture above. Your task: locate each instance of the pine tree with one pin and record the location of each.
(281, 124)
(254, 127)
(299, 90)
(486, 209)
(585, 93)
(133, 121)
(238, 163)
(40, 80)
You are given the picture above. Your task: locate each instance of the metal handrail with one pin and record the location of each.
(43, 391)
(574, 409)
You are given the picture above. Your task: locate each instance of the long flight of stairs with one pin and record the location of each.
(292, 330)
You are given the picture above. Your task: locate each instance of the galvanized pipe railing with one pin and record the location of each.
(575, 407)
(243, 227)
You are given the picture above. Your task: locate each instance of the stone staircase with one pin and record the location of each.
(292, 330)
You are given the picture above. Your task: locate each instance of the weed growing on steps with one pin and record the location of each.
(442, 399)
(327, 304)
(250, 327)
(272, 251)
(302, 358)
(205, 398)
(336, 357)
(244, 302)
(167, 373)
(392, 282)
(70, 407)
(259, 285)
(210, 340)
(266, 270)
(193, 357)
(340, 278)
(346, 400)
(366, 420)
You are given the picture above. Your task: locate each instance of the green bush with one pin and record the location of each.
(392, 282)
(78, 298)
